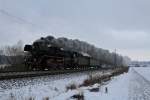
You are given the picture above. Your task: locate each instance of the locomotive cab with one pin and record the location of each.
(28, 48)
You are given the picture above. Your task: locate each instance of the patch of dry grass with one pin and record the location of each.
(79, 95)
(71, 86)
(31, 98)
(46, 98)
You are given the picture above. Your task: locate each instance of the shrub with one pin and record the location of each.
(71, 86)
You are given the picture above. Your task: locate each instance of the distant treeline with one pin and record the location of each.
(84, 47)
(10, 60)
(4, 59)
(12, 54)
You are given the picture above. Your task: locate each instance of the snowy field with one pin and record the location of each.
(3, 65)
(144, 72)
(128, 86)
(40, 87)
(134, 85)
(117, 90)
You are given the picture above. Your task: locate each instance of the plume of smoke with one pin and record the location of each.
(81, 46)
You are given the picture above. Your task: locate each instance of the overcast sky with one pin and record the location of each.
(108, 24)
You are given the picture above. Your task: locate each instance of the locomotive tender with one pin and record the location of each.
(43, 56)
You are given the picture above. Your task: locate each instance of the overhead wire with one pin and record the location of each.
(19, 20)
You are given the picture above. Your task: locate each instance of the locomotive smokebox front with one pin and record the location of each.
(28, 48)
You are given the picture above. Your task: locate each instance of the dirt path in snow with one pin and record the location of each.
(139, 87)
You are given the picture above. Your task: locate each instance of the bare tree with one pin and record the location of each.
(14, 53)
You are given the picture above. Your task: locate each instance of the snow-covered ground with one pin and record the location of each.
(144, 71)
(41, 87)
(133, 85)
(128, 86)
(3, 65)
(140, 84)
(117, 90)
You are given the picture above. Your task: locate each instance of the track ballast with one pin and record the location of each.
(11, 75)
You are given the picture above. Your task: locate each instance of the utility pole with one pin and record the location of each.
(115, 59)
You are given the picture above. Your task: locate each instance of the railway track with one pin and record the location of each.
(12, 75)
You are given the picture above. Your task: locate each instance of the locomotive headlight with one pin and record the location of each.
(74, 55)
(34, 59)
(48, 45)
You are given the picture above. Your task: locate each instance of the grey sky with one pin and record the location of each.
(108, 24)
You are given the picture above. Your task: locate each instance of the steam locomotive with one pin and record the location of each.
(41, 56)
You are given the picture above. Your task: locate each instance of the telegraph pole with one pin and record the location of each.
(115, 59)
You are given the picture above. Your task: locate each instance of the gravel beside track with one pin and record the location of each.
(12, 75)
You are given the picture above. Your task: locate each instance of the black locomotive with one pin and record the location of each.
(43, 56)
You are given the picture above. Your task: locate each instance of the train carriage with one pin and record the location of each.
(83, 62)
(95, 63)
